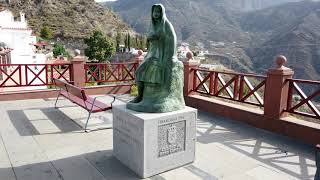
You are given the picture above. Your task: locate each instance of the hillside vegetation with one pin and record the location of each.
(69, 19)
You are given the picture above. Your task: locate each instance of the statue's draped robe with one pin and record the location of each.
(161, 72)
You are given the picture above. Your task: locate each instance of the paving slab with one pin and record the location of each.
(39, 142)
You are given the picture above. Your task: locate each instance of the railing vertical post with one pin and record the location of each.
(46, 66)
(189, 75)
(78, 71)
(290, 94)
(123, 71)
(86, 69)
(20, 75)
(26, 74)
(241, 90)
(100, 72)
(211, 83)
(276, 90)
(194, 79)
(119, 73)
(215, 83)
(105, 72)
(139, 58)
(235, 88)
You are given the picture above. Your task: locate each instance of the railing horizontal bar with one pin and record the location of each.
(228, 98)
(231, 73)
(304, 81)
(89, 64)
(111, 81)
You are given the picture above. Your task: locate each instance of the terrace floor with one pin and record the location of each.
(39, 142)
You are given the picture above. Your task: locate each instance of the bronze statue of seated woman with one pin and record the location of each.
(160, 77)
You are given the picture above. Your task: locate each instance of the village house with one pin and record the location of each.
(17, 43)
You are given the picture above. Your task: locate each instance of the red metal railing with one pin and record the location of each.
(302, 103)
(114, 72)
(19, 75)
(245, 88)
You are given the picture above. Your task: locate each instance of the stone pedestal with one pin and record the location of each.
(151, 143)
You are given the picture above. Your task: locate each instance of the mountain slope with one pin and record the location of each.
(193, 20)
(298, 40)
(68, 18)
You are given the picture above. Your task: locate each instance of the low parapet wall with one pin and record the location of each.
(305, 131)
(49, 93)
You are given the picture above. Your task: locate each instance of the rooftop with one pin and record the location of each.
(41, 142)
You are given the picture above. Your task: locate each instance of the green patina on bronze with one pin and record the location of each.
(160, 77)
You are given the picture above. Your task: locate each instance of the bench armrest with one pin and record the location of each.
(94, 99)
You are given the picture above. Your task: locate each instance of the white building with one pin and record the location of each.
(17, 36)
(212, 67)
(183, 49)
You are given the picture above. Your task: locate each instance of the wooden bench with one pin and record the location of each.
(79, 97)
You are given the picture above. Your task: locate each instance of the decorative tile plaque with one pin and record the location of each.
(171, 138)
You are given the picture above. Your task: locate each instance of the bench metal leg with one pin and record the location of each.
(55, 104)
(85, 127)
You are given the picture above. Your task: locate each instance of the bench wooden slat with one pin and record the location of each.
(61, 84)
(88, 104)
(79, 97)
(76, 91)
(98, 104)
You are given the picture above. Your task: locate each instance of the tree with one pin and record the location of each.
(133, 42)
(129, 42)
(118, 41)
(126, 41)
(46, 33)
(99, 46)
(142, 42)
(137, 42)
(58, 49)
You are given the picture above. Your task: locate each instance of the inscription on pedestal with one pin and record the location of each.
(171, 137)
(152, 143)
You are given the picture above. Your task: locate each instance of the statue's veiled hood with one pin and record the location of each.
(163, 13)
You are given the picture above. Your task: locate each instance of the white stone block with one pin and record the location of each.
(152, 143)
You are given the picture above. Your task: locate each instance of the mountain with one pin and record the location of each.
(254, 31)
(193, 20)
(251, 5)
(69, 19)
(292, 30)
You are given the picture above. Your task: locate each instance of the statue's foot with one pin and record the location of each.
(133, 106)
(136, 99)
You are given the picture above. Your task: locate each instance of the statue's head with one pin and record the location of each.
(157, 12)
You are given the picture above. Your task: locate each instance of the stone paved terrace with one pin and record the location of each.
(39, 142)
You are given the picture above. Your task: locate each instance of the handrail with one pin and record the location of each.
(237, 87)
(231, 73)
(25, 75)
(131, 62)
(111, 72)
(304, 81)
